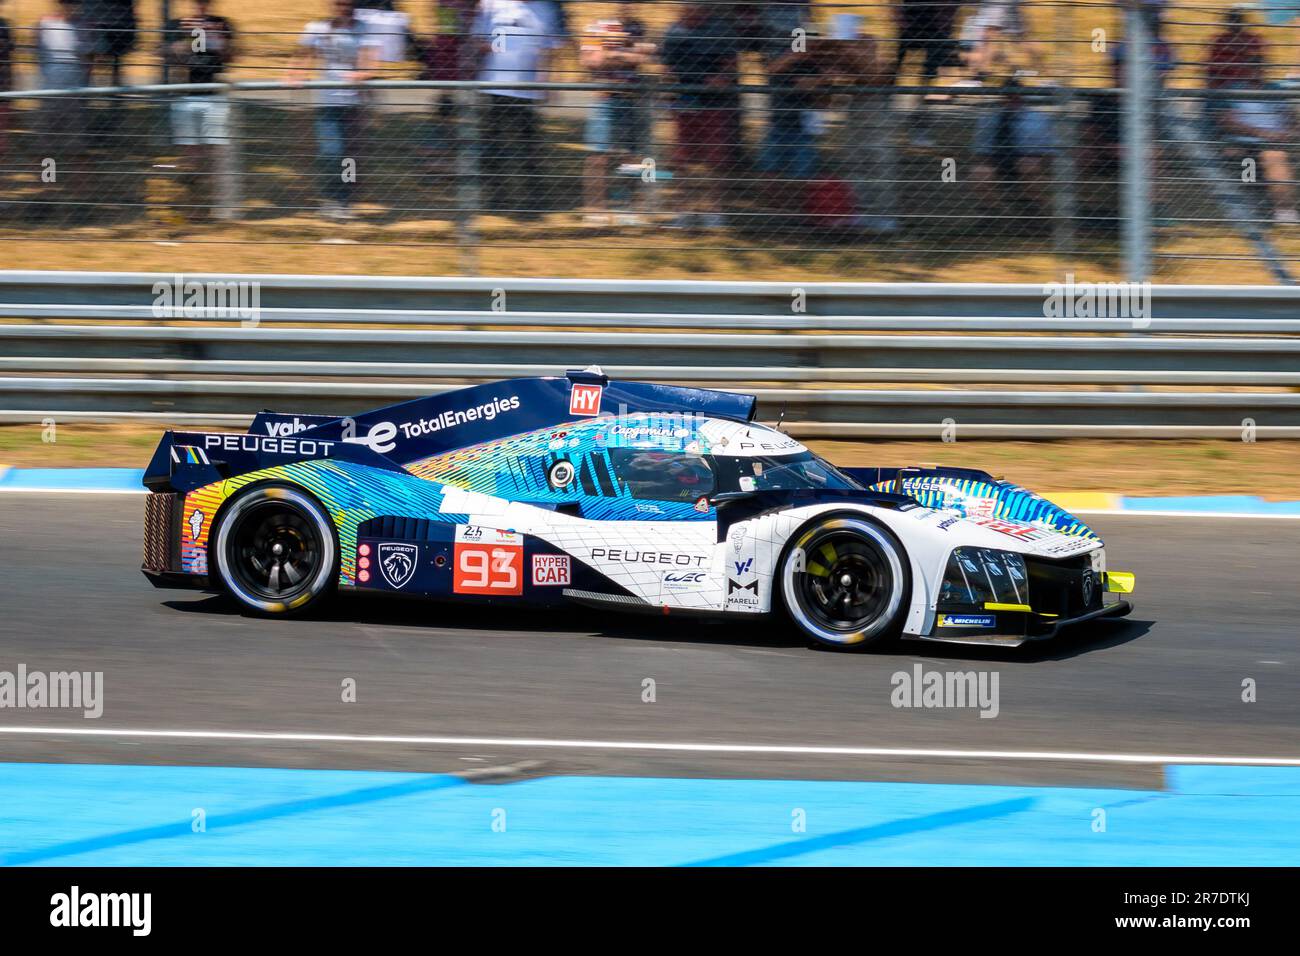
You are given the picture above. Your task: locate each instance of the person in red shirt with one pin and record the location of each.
(1251, 126)
(1236, 54)
(446, 54)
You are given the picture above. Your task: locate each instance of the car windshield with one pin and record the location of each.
(784, 473)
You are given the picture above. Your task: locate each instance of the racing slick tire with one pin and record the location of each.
(275, 551)
(845, 582)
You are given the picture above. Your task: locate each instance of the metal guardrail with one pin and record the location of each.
(1215, 306)
(831, 355)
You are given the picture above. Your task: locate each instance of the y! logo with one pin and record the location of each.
(585, 399)
(742, 567)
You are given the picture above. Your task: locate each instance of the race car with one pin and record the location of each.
(621, 496)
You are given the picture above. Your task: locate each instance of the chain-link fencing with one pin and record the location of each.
(982, 141)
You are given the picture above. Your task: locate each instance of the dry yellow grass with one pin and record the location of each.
(1121, 467)
(1268, 469)
(559, 247)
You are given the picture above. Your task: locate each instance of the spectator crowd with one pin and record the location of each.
(803, 106)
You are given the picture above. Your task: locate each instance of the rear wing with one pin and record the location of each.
(184, 461)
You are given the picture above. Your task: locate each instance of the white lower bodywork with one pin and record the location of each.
(682, 564)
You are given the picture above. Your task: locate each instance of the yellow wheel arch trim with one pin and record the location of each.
(1121, 582)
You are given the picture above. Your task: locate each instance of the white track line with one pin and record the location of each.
(541, 742)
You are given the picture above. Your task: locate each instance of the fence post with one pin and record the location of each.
(1064, 171)
(164, 16)
(228, 194)
(1064, 167)
(1137, 145)
(468, 146)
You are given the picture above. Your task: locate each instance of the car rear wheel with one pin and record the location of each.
(275, 551)
(845, 583)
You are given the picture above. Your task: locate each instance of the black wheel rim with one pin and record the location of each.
(275, 551)
(846, 583)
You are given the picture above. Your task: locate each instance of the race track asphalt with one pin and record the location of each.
(1216, 604)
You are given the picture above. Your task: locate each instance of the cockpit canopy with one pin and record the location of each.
(617, 464)
(683, 476)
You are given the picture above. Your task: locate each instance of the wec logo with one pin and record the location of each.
(683, 582)
(684, 577)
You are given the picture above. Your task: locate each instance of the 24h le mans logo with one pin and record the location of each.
(397, 563)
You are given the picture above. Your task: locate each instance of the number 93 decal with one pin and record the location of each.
(488, 563)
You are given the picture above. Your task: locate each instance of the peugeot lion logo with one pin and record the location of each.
(397, 563)
(1089, 585)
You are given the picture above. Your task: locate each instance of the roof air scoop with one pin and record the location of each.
(591, 374)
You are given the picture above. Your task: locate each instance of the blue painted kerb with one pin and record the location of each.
(72, 479)
(70, 814)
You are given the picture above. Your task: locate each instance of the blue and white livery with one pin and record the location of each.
(622, 496)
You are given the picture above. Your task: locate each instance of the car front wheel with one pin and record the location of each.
(845, 583)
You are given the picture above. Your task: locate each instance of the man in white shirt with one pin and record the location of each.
(341, 49)
(389, 27)
(63, 50)
(515, 40)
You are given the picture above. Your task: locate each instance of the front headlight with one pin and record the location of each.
(975, 576)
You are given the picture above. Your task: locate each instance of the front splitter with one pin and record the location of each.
(1118, 609)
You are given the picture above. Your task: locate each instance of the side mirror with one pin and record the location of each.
(722, 497)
